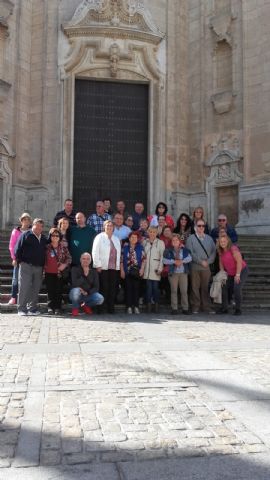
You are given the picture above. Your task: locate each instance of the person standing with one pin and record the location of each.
(203, 252)
(25, 221)
(106, 259)
(231, 261)
(154, 249)
(177, 257)
(68, 212)
(132, 268)
(56, 261)
(96, 220)
(121, 231)
(223, 225)
(30, 256)
(81, 238)
(138, 215)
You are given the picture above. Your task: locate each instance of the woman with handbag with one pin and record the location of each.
(132, 268)
(57, 260)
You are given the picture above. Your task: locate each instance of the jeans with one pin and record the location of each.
(15, 286)
(152, 291)
(77, 298)
(237, 289)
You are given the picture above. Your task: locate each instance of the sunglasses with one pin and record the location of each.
(55, 235)
(200, 225)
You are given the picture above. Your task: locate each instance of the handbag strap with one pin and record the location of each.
(202, 246)
(55, 254)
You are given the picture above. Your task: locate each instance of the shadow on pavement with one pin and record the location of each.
(94, 461)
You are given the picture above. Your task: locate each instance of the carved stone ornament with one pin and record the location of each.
(222, 101)
(221, 26)
(6, 8)
(5, 149)
(113, 18)
(4, 89)
(224, 167)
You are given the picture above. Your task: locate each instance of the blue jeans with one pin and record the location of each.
(14, 287)
(152, 291)
(77, 298)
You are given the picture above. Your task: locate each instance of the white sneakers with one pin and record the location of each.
(136, 311)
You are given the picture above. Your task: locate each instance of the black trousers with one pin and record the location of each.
(54, 286)
(108, 285)
(132, 285)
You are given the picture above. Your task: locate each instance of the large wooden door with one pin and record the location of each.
(110, 143)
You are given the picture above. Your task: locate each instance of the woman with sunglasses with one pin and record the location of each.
(57, 259)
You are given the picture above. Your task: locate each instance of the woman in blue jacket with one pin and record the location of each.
(178, 257)
(132, 269)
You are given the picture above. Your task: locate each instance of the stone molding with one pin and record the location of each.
(6, 178)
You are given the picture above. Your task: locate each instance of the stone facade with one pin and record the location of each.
(207, 64)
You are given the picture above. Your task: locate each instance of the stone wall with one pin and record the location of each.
(209, 112)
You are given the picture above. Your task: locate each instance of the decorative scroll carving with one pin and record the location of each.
(114, 59)
(114, 18)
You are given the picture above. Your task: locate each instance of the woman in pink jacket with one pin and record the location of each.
(25, 221)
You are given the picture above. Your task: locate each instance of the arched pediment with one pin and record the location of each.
(222, 157)
(114, 19)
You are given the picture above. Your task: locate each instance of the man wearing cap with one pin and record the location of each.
(223, 225)
(30, 256)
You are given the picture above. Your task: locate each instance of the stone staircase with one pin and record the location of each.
(256, 250)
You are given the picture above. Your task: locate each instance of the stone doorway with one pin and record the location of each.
(227, 202)
(110, 143)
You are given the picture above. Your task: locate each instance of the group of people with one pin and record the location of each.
(143, 254)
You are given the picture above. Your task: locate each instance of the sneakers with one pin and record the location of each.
(33, 313)
(12, 301)
(58, 311)
(50, 311)
(88, 310)
(75, 312)
(136, 311)
(22, 313)
(129, 310)
(195, 312)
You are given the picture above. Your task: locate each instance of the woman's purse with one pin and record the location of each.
(134, 271)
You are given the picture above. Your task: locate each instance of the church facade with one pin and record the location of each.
(156, 99)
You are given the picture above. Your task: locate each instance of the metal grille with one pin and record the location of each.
(110, 143)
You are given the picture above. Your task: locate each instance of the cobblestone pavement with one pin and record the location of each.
(135, 398)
